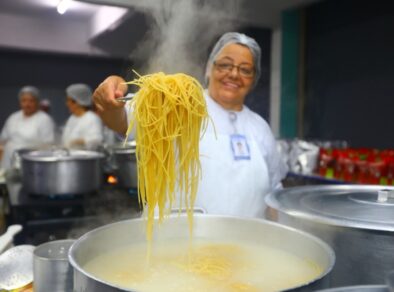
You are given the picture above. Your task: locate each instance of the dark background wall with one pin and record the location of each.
(259, 99)
(350, 72)
(51, 73)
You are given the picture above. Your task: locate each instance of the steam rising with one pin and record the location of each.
(182, 32)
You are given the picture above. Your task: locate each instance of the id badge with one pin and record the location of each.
(240, 147)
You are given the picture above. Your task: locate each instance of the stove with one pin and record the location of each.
(46, 218)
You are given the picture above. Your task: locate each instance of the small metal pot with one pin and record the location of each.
(116, 235)
(356, 220)
(52, 271)
(61, 171)
(124, 164)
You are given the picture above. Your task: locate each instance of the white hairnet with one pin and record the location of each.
(81, 93)
(235, 38)
(31, 90)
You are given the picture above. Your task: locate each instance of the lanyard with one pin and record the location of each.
(233, 119)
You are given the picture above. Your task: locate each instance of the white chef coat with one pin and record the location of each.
(237, 187)
(22, 131)
(87, 127)
(110, 137)
(230, 186)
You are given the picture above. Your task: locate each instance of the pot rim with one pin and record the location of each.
(44, 246)
(355, 288)
(324, 245)
(273, 202)
(80, 155)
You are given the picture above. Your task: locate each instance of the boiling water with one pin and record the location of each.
(179, 266)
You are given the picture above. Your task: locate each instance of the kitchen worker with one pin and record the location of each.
(27, 128)
(241, 164)
(83, 128)
(110, 137)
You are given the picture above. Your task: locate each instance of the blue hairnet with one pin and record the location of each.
(31, 90)
(235, 38)
(81, 93)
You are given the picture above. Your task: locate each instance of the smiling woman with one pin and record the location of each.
(242, 150)
(239, 160)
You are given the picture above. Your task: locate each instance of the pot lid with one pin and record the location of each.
(357, 206)
(361, 288)
(61, 155)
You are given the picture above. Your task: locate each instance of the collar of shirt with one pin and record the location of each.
(221, 117)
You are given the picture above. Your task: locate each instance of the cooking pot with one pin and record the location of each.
(356, 220)
(16, 157)
(61, 171)
(117, 235)
(51, 269)
(361, 288)
(124, 164)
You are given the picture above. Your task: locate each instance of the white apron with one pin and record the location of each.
(229, 186)
(24, 135)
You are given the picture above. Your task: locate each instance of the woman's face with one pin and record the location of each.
(232, 76)
(72, 105)
(29, 104)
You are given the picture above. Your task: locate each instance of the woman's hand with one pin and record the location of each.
(107, 92)
(109, 109)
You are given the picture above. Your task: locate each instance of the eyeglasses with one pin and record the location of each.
(244, 70)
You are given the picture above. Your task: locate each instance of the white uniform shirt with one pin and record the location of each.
(255, 128)
(21, 131)
(110, 137)
(231, 185)
(87, 127)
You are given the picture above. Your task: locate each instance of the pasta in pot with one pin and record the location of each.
(169, 114)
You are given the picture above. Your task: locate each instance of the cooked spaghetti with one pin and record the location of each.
(169, 113)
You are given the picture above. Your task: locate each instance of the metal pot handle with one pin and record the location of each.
(109, 157)
(111, 161)
(384, 196)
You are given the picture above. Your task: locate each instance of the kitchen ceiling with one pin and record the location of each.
(87, 26)
(47, 8)
(266, 13)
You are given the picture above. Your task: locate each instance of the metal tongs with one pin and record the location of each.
(128, 97)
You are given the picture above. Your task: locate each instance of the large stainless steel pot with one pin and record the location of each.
(362, 288)
(357, 221)
(124, 164)
(213, 227)
(61, 171)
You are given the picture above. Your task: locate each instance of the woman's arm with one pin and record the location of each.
(112, 112)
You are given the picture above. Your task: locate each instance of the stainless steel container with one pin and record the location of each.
(52, 271)
(124, 164)
(357, 221)
(113, 236)
(61, 171)
(363, 288)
